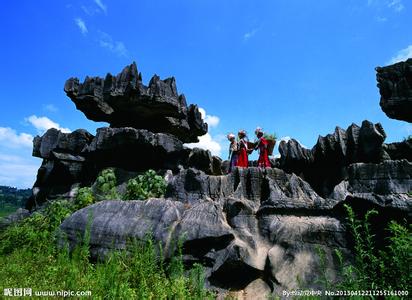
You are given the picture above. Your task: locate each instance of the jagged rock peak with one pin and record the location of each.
(124, 101)
(395, 87)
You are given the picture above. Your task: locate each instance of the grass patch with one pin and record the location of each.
(7, 209)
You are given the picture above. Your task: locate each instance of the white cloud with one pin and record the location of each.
(396, 5)
(402, 55)
(50, 108)
(106, 41)
(18, 171)
(249, 34)
(9, 138)
(207, 142)
(82, 25)
(212, 121)
(101, 5)
(42, 124)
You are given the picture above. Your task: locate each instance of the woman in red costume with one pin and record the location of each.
(242, 160)
(262, 145)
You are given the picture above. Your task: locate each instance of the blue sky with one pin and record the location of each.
(295, 67)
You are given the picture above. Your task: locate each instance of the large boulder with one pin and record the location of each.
(124, 101)
(381, 186)
(135, 149)
(400, 150)
(395, 87)
(250, 225)
(64, 165)
(54, 141)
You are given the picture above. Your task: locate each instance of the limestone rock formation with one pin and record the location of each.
(325, 165)
(135, 149)
(64, 164)
(256, 231)
(381, 186)
(249, 225)
(395, 86)
(400, 150)
(124, 101)
(149, 125)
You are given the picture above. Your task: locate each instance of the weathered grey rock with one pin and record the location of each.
(123, 101)
(385, 185)
(294, 258)
(201, 159)
(55, 141)
(135, 149)
(217, 165)
(293, 157)
(395, 87)
(325, 165)
(401, 150)
(114, 222)
(371, 138)
(241, 227)
(13, 218)
(274, 188)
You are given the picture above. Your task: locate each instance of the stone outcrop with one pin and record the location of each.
(250, 225)
(64, 165)
(13, 218)
(381, 186)
(149, 125)
(135, 149)
(124, 101)
(395, 87)
(400, 150)
(325, 165)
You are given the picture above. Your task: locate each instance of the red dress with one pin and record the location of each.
(242, 160)
(263, 160)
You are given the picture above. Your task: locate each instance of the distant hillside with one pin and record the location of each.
(12, 198)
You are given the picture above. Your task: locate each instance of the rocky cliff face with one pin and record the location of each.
(148, 126)
(395, 86)
(254, 226)
(254, 230)
(124, 101)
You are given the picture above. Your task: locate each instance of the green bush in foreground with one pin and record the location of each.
(387, 268)
(145, 186)
(106, 185)
(29, 257)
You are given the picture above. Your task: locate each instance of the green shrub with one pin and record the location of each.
(138, 273)
(84, 197)
(145, 186)
(387, 268)
(106, 185)
(270, 136)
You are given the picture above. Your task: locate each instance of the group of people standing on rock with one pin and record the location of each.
(240, 149)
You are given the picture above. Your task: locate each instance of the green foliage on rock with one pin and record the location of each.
(84, 197)
(144, 186)
(106, 185)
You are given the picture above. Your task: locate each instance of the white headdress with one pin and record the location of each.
(258, 130)
(230, 136)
